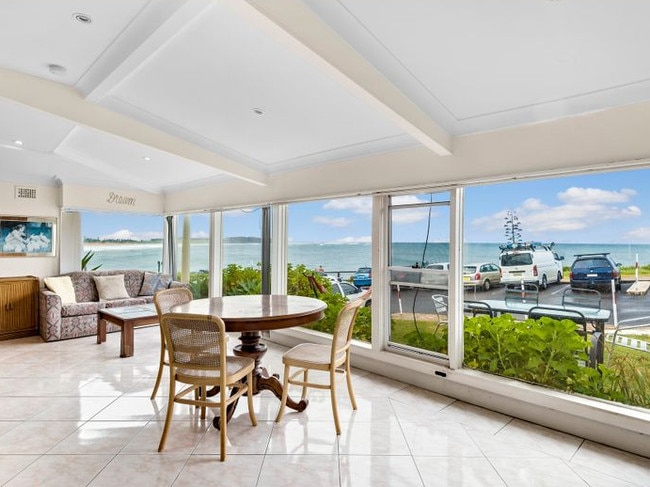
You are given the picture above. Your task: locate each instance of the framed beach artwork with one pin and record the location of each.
(27, 236)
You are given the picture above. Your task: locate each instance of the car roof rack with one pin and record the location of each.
(526, 246)
(591, 253)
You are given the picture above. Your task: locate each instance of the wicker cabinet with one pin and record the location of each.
(18, 307)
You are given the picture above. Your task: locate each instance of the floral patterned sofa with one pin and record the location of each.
(59, 321)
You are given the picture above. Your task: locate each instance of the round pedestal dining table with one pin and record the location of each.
(252, 314)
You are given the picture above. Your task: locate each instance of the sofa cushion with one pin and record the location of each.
(154, 282)
(62, 286)
(81, 309)
(111, 287)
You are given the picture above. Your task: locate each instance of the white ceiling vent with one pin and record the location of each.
(25, 193)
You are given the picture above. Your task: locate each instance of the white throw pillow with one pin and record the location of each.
(111, 287)
(63, 287)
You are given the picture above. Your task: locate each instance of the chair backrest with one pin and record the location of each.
(167, 298)
(195, 341)
(586, 298)
(478, 308)
(344, 323)
(560, 314)
(526, 293)
(440, 303)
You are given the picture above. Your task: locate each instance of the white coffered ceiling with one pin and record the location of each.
(160, 95)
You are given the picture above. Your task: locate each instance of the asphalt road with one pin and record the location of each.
(419, 300)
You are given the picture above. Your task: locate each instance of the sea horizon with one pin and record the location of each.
(336, 257)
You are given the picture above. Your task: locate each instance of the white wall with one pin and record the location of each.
(46, 204)
(49, 202)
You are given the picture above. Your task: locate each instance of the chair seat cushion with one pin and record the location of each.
(237, 368)
(310, 355)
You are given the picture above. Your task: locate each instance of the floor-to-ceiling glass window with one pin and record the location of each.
(114, 241)
(572, 256)
(242, 251)
(329, 254)
(419, 272)
(192, 255)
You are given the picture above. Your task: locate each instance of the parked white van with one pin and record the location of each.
(530, 262)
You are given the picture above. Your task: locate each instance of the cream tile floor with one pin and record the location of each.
(73, 413)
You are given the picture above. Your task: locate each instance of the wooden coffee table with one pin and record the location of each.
(127, 318)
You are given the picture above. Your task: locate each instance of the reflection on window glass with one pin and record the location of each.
(554, 318)
(419, 272)
(329, 256)
(193, 252)
(242, 252)
(113, 241)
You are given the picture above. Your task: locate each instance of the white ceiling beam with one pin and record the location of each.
(292, 23)
(129, 59)
(65, 102)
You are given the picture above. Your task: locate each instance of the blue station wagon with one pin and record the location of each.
(593, 271)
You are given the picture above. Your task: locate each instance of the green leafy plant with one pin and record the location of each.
(85, 260)
(548, 352)
(199, 284)
(238, 280)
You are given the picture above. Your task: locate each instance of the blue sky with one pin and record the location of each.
(598, 208)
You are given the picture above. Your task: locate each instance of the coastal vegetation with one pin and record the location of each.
(544, 352)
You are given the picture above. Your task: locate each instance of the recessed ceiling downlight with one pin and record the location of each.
(83, 18)
(56, 69)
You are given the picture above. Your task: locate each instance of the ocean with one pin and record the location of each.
(344, 258)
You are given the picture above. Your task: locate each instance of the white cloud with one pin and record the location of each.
(581, 208)
(533, 204)
(361, 204)
(353, 240)
(576, 195)
(338, 222)
(641, 234)
(411, 215)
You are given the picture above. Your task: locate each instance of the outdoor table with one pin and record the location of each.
(596, 316)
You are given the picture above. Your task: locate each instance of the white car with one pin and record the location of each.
(350, 291)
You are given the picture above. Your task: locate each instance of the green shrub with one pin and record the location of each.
(238, 280)
(199, 284)
(548, 352)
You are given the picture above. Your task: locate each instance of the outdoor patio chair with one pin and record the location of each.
(587, 298)
(522, 293)
(326, 358)
(441, 309)
(197, 351)
(581, 325)
(478, 308)
(164, 301)
(631, 323)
